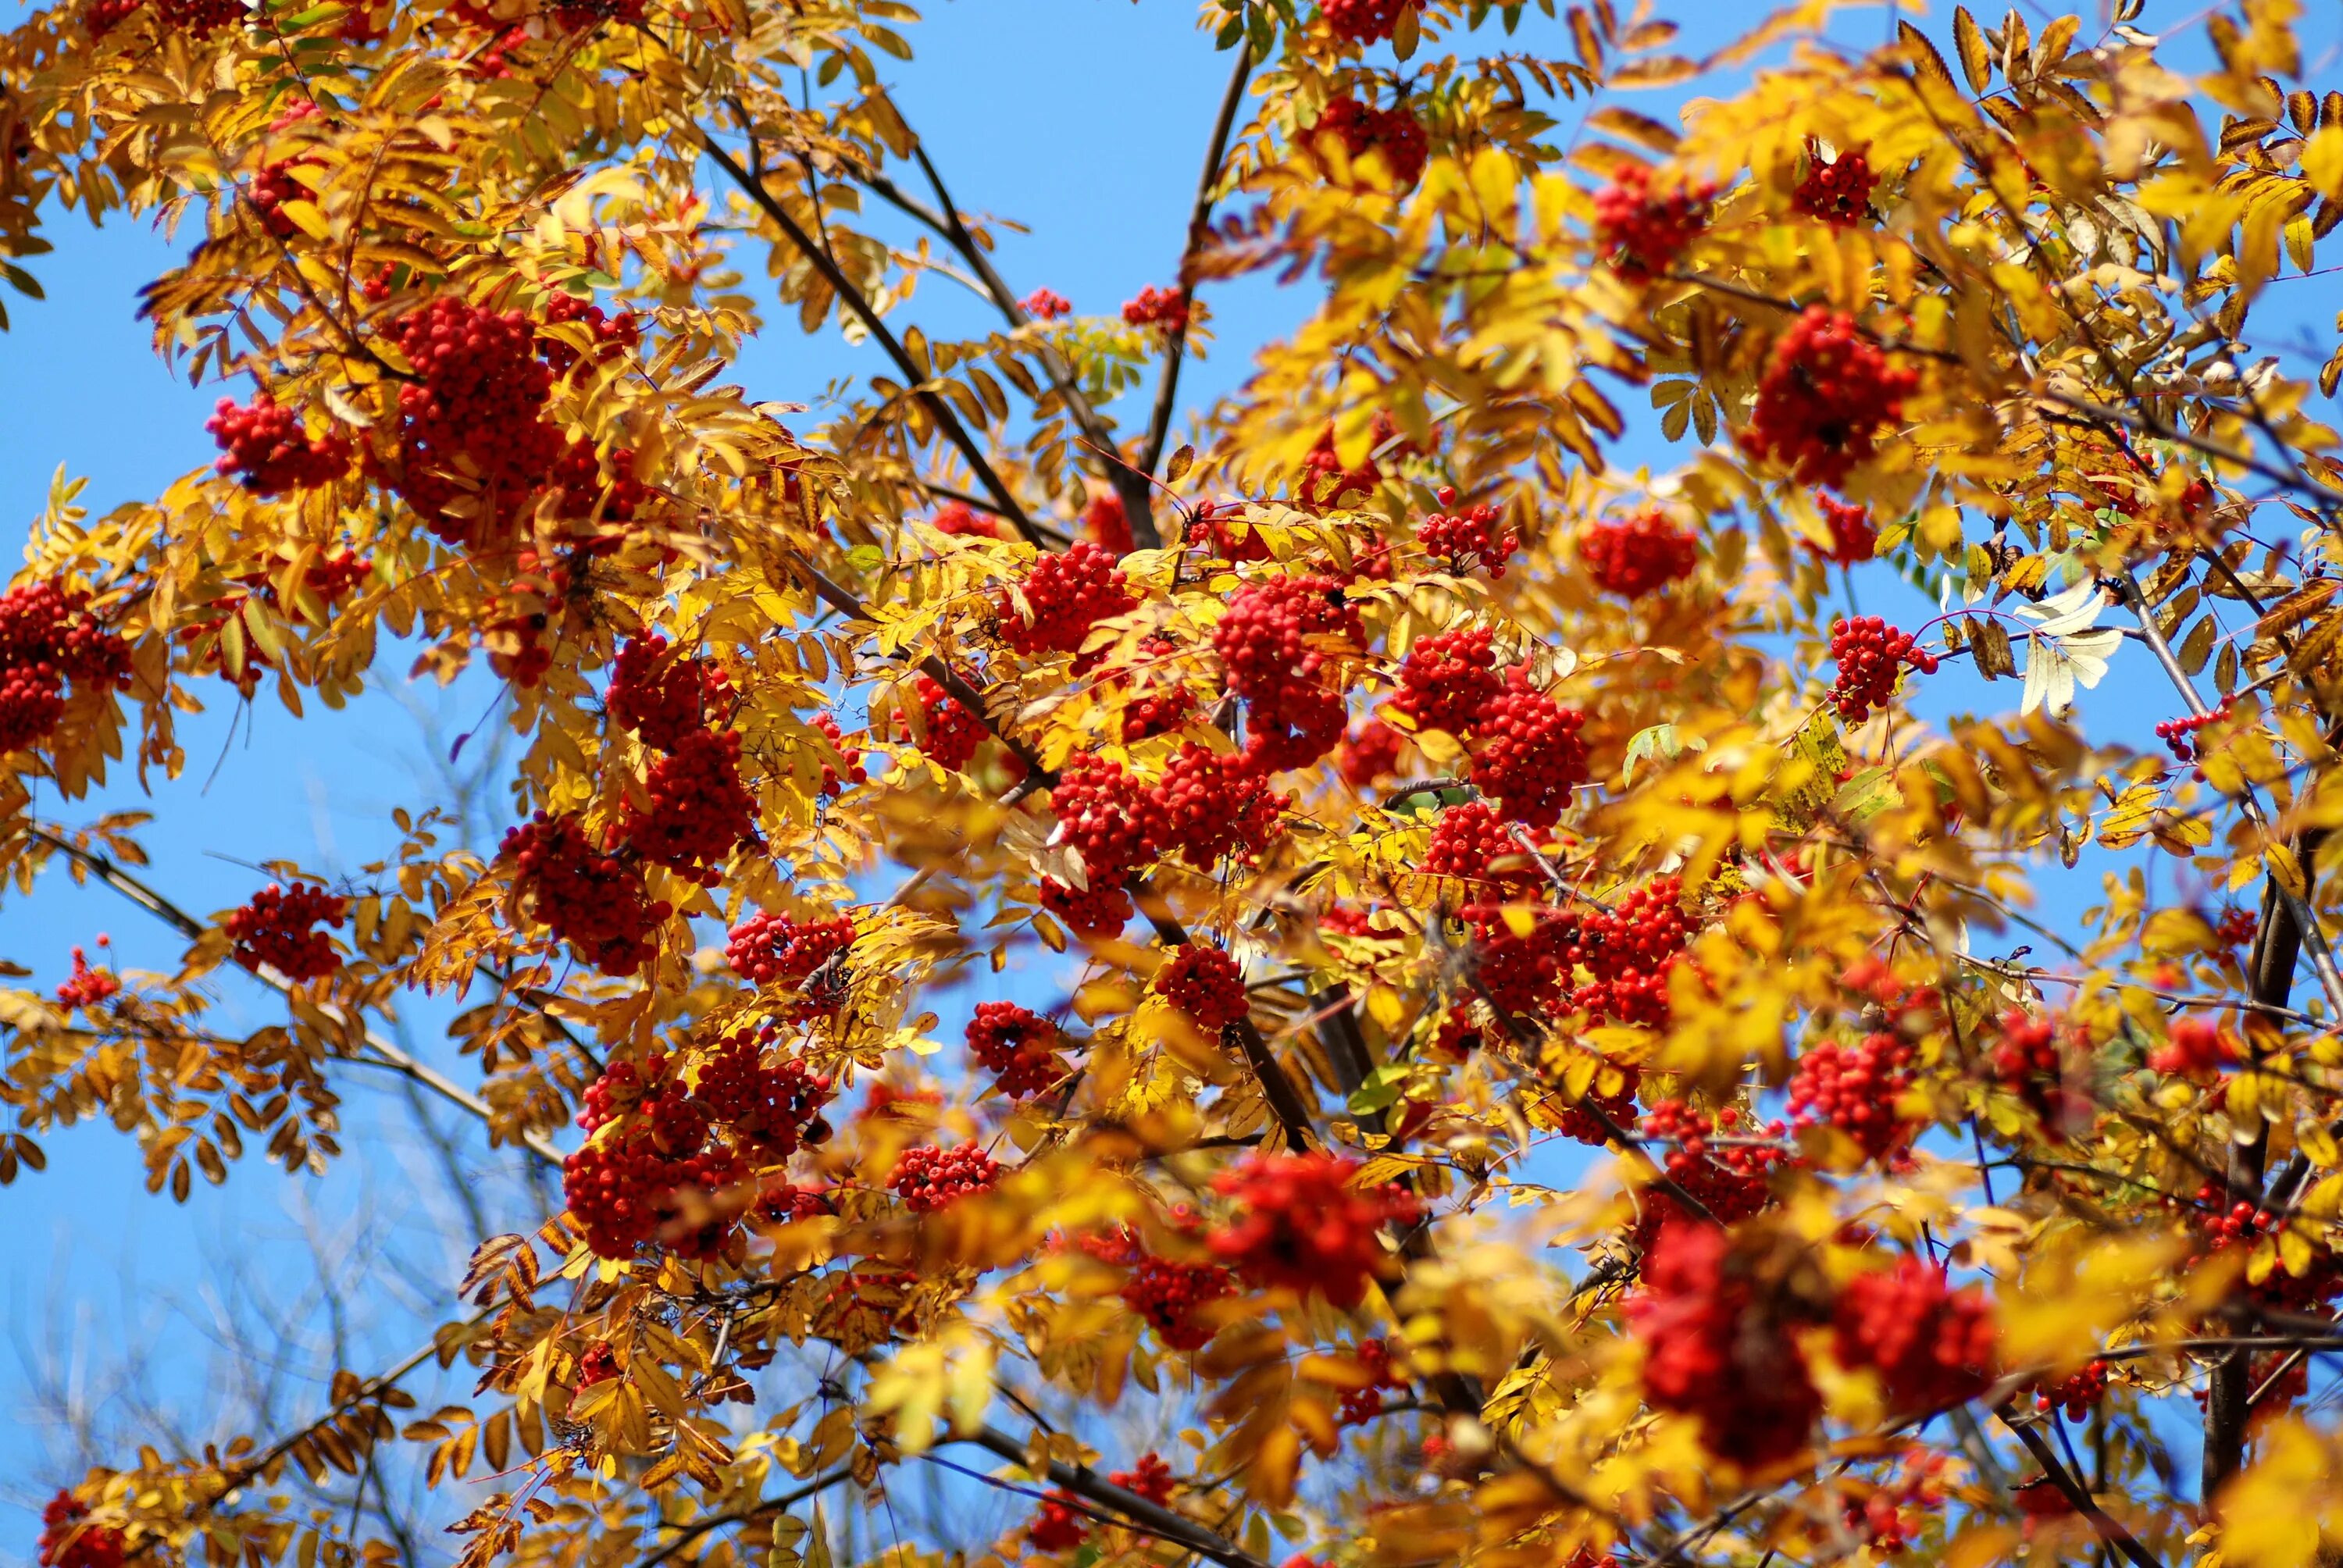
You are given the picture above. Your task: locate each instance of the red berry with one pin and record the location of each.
(1017, 1047)
(1872, 656)
(1098, 911)
(1932, 1346)
(1064, 596)
(1448, 680)
(1527, 755)
(698, 809)
(1300, 1223)
(1393, 133)
(1855, 1087)
(928, 1178)
(1363, 21)
(1838, 192)
(592, 899)
(269, 453)
(1150, 1478)
(1642, 233)
(1369, 754)
(1104, 525)
(1469, 540)
(1826, 394)
(275, 929)
(1637, 555)
(86, 986)
(69, 1538)
(1045, 305)
(950, 732)
(1210, 804)
(1165, 309)
(958, 520)
(1206, 984)
(1853, 539)
(662, 699)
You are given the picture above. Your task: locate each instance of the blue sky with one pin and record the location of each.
(1083, 119)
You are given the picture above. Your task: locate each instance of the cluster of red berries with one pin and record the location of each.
(1364, 1403)
(329, 579)
(1446, 679)
(2076, 1392)
(1150, 1478)
(47, 637)
(698, 807)
(780, 1202)
(2194, 1048)
(1369, 752)
(1471, 843)
(1730, 1179)
(2179, 735)
(201, 18)
(1853, 539)
(1642, 231)
(1931, 1344)
(1527, 754)
(2026, 1062)
(1713, 1352)
(274, 183)
(778, 950)
(1206, 984)
(664, 699)
(1274, 642)
(832, 781)
(1826, 394)
(1159, 705)
(1169, 1294)
(1363, 21)
(1100, 909)
(473, 409)
(626, 1189)
(607, 336)
(269, 453)
(69, 1541)
(1627, 951)
(1469, 540)
(950, 733)
(2237, 927)
(1583, 1122)
(1856, 1088)
(1165, 309)
(278, 929)
(772, 1109)
(1300, 1223)
(1525, 973)
(1060, 1524)
(1209, 804)
(86, 986)
(1327, 480)
(1105, 525)
(1045, 305)
(1838, 192)
(586, 896)
(1639, 555)
(1103, 817)
(1393, 133)
(523, 617)
(1064, 596)
(928, 1178)
(959, 519)
(1872, 656)
(587, 495)
(1887, 1517)
(1017, 1046)
(598, 1365)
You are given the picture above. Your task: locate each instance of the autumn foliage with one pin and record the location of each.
(1342, 970)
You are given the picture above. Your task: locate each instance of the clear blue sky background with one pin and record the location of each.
(1083, 119)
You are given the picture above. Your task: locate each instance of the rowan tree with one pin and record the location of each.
(1476, 989)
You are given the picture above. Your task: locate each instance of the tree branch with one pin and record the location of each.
(391, 1055)
(1167, 388)
(947, 422)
